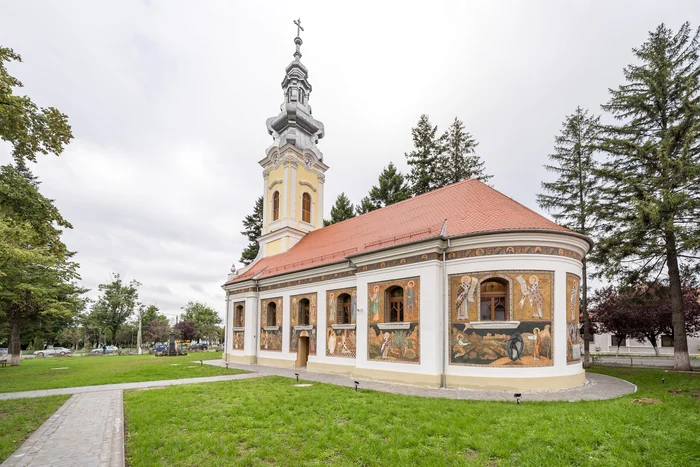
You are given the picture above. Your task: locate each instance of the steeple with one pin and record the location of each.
(293, 168)
(294, 124)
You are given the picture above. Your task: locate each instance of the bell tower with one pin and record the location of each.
(293, 168)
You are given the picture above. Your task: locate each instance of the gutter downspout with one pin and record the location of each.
(256, 329)
(446, 317)
(226, 340)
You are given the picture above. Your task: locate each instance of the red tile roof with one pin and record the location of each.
(469, 206)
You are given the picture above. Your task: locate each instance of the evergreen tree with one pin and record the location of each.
(650, 197)
(366, 205)
(458, 160)
(341, 210)
(572, 196)
(253, 225)
(423, 160)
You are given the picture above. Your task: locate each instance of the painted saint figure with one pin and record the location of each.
(572, 300)
(537, 345)
(465, 296)
(411, 299)
(331, 342)
(374, 304)
(386, 346)
(533, 293)
(331, 304)
(353, 306)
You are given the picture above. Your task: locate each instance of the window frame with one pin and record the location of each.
(344, 309)
(493, 296)
(276, 205)
(304, 312)
(306, 208)
(238, 316)
(272, 312)
(390, 300)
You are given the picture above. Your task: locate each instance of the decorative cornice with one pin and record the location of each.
(309, 185)
(514, 250)
(321, 178)
(275, 182)
(309, 280)
(240, 291)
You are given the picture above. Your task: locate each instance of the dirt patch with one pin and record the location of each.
(646, 400)
(471, 454)
(677, 391)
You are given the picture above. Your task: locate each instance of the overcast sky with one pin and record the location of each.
(168, 102)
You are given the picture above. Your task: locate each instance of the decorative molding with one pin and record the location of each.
(514, 250)
(321, 178)
(310, 280)
(240, 291)
(399, 262)
(275, 182)
(309, 185)
(393, 326)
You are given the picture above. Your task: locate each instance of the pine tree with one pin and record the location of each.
(424, 174)
(650, 197)
(458, 160)
(341, 210)
(366, 205)
(572, 196)
(253, 224)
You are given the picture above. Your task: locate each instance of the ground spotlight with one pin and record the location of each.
(357, 383)
(517, 396)
(663, 380)
(297, 375)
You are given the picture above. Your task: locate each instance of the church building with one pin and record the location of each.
(458, 287)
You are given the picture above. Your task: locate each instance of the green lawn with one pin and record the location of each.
(44, 373)
(268, 421)
(19, 418)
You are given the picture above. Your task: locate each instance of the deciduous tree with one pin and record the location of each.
(572, 197)
(116, 304)
(204, 317)
(650, 199)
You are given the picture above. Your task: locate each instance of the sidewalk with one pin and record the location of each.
(597, 387)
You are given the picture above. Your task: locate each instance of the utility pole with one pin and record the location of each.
(138, 336)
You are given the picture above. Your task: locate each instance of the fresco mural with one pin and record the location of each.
(341, 338)
(574, 341)
(298, 329)
(238, 335)
(394, 318)
(271, 332)
(502, 318)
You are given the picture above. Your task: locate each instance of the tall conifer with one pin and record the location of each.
(650, 199)
(572, 196)
(252, 224)
(458, 160)
(423, 160)
(341, 210)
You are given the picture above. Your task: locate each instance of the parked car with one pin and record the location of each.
(62, 351)
(199, 346)
(106, 350)
(159, 348)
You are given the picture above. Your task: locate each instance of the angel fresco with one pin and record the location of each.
(465, 296)
(533, 293)
(411, 297)
(331, 342)
(353, 306)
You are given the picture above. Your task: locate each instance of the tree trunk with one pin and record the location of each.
(15, 349)
(653, 344)
(586, 320)
(681, 359)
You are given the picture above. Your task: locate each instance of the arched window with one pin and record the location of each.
(344, 309)
(394, 304)
(306, 207)
(272, 314)
(304, 316)
(494, 306)
(238, 316)
(276, 205)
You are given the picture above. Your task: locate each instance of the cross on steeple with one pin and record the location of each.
(298, 24)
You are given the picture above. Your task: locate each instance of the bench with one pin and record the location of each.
(3, 362)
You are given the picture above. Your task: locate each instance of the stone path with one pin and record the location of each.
(88, 430)
(597, 386)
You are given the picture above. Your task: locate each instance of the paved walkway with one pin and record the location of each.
(597, 387)
(88, 430)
